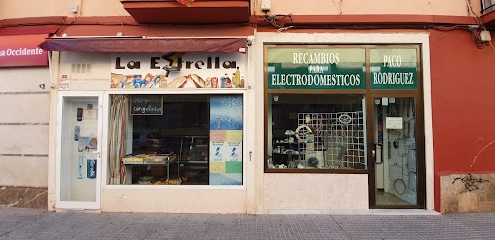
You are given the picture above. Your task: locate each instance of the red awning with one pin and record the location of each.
(143, 45)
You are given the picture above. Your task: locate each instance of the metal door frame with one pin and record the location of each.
(420, 148)
(62, 204)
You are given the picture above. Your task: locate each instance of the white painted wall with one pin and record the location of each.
(174, 199)
(315, 191)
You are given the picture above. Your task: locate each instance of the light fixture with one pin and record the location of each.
(42, 86)
(250, 40)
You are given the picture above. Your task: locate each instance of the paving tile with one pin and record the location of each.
(20, 223)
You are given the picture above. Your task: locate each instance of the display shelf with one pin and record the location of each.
(194, 148)
(194, 158)
(285, 151)
(150, 161)
(191, 158)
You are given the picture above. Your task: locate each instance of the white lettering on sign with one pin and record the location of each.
(140, 100)
(405, 78)
(21, 52)
(315, 80)
(315, 58)
(146, 109)
(317, 68)
(392, 60)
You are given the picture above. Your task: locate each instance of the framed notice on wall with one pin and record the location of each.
(146, 104)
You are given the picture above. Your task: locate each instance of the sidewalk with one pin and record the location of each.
(22, 223)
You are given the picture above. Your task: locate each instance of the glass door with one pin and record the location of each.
(395, 153)
(78, 152)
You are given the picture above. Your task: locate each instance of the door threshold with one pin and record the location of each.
(354, 212)
(85, 210)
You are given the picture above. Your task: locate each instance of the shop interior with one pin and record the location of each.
(174, 144)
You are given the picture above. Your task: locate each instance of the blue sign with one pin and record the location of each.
(91, 171)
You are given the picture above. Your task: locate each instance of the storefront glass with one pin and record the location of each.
(176, 139)
(316, 131)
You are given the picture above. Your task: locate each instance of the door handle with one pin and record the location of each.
(373, 153)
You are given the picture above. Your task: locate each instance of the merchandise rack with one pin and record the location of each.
(338, 138)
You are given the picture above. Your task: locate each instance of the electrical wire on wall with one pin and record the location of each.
(278, 21)
(479, 30)
(338, 6)
(76, 9)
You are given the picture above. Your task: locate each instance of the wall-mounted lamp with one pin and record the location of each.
(42, 86)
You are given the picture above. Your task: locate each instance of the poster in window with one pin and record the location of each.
(226, 140)
(91, 169)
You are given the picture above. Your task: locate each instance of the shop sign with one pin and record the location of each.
(22, 51)
(316, 68)
(178, 70)
(146, 104)
(395, 69)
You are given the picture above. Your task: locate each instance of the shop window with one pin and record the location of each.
(176, 139)
(315, 132)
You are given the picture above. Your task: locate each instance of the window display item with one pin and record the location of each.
(83, 144)
(80, 165)
(79, 114)
(91, 171)
(93, 142)
(313, 162)
(301, 132)
(77, 132)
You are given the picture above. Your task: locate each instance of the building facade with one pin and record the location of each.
(248, 106)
